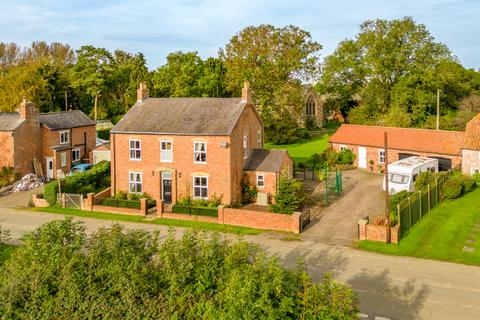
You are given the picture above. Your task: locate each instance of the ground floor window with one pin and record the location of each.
(200, 187)
(76, 154)
(135, 182)
(260, 180)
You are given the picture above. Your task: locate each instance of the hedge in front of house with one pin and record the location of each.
(94, 180)
(199, 211)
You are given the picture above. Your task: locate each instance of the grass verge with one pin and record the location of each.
(442, 234)
(138, 219)
(6, 250)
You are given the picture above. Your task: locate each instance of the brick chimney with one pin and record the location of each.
(246, 96)
(142, 92)
(27, 110)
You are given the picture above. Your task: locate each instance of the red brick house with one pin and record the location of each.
(453, 149)
(178, 147)
(57, 140)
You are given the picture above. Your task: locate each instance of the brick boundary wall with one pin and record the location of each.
(181, 216)
(89, 204)
(260, 219)
(367, 231)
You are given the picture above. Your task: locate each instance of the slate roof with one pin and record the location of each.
(9, 121)
(472, 134)
(185, 116)
(265, 160)
(65, 120)
(408, 139)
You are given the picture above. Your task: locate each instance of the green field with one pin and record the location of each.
(139, 219)
(302, 150)
(442, 233)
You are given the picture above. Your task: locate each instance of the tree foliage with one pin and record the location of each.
(275, 61)
(290, 195)
(61, 273)
(389, 74)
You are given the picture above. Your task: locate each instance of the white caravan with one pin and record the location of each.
(402, 174)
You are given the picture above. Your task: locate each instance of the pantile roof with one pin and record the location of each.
(408, 139)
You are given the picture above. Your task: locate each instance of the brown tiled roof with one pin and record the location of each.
(187, 116)
(9, 121)
(472, 134)
(264, 160)
(408, 139)
(65, 120)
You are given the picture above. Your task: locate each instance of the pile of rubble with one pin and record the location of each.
(28, 182)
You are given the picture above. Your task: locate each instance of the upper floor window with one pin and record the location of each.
(76, 154)
(381, 156)
(135, 149)
(166, 151)
(245, 147)
(310, 106)
(200, 152)
(64, 137)
(135, 182)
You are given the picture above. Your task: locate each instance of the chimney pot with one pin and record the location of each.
(142, 92)
(246, 96)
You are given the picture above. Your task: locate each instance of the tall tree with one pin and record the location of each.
(395, 66)
(276, 61)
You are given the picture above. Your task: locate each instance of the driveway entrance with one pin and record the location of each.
(338, 223)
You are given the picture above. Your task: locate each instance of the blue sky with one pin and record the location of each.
(159, 27)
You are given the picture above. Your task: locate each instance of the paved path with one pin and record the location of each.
(338, 223)
(388, 286)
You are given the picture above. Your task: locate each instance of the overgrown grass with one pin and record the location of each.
(6, 250)
(139, 219)
(441, 234)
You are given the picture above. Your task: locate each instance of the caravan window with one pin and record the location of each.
(415, 176)
(398, 178)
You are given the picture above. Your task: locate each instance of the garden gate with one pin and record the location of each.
(70, 200)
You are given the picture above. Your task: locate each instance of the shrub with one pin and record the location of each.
(476, 178)
(104, 134)
(423, 180)
(50, 193)
(289, 196)
(396, 199)
(331, 156)
(121, 195)
(346, 157)
(468, 183)
(60, 272)
(249, 193)
(452, 188)
(188, 201)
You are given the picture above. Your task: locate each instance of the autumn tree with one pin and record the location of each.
(276, 61)
(390, 72)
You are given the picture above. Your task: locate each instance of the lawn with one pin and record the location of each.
(139, 219)
(441, 234)
(302, 150)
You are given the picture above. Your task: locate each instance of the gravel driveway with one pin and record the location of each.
(338, 223)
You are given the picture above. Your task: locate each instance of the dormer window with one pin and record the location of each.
(64, 137)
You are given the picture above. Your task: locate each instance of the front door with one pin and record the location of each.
(49, 166)
(167, 187)
(362, 157)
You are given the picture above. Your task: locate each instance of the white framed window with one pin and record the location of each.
(166, 151)
(200, 152)
(135, 182)
(76, 155)
(343, 147)
(260, 180)
(245, 147)
(381, 156)
(63, 159)
(64, 137)
(200, 187)
(135, 147)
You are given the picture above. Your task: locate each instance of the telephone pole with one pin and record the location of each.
(438, 109)
(387, 190)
